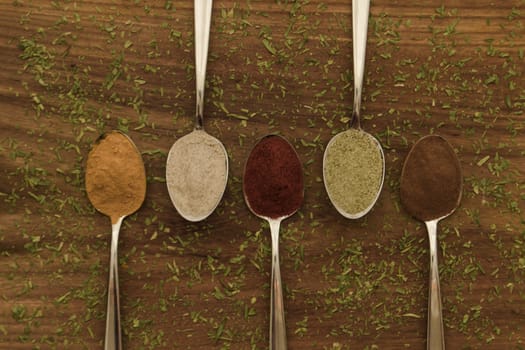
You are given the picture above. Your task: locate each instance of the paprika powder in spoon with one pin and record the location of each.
(273, 190)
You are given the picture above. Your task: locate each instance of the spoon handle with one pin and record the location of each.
(202, 15)
(435, 332)
(360, 11)
(113, 339)
(277, 324)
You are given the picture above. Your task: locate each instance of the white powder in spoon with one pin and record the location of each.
(196, 174)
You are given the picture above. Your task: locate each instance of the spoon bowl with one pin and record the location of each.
(274, 190)
(430, 190)
(358, 157)
(353, 161)
(196, 174)
(116, 186)
(431, 179)
(197, 164)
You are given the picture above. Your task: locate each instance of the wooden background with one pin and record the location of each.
(71, 70)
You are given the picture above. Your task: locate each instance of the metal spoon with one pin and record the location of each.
(334, 171)
(420, 173)
(262, 183)
(116, 186)
(197, 164)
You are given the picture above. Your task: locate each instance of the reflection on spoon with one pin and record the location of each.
(197, 164)
(116, 186)
(353, 162)
(273, 189)
(431, 186)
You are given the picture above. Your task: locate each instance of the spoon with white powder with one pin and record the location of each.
(197, 165)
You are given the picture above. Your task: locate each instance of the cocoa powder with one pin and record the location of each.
(431, 179)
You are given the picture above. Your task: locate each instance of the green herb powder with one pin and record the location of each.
(353, 171)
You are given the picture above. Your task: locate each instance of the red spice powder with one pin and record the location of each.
(273, 178)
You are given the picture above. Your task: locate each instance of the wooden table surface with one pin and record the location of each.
(74, 69)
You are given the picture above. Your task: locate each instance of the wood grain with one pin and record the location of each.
(74, 69)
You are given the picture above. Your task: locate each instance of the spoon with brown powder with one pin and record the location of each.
(430, 190)
(116, 186)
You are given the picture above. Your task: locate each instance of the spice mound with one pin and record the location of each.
(196, 174)
(115, 176)
(353, 171)
(273, 178)
(431, 180)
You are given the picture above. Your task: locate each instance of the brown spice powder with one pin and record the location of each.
(431, 179)
(115, 176)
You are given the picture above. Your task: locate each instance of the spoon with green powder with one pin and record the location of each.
(197, 164)
(430, 190)
(354, 163)
(116, 186)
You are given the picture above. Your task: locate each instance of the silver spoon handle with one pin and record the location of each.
(202, 14)
(277, 324)
(113, 340)
(435, 331)
(360, 11)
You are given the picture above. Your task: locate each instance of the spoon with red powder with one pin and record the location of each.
(273, 190)
(430, 190)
